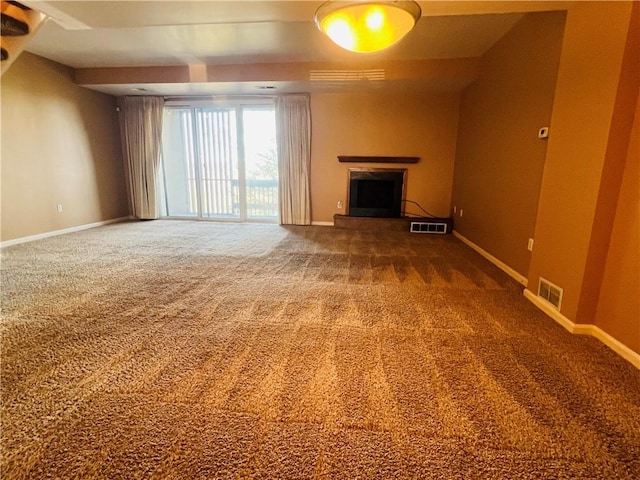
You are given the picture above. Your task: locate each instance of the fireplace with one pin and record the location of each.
(376, 192)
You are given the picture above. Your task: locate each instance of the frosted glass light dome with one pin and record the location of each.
(366, 27)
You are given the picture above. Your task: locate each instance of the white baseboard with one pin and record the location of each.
(323, 224)
(501, 265)
(621, 349)
(31, 238)
(575, 328)
(550, 310)
(584, 329)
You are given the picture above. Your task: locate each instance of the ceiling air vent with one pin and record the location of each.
(550, 292)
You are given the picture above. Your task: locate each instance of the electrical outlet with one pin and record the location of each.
(530, 245)
(339, 204)
(59, 208)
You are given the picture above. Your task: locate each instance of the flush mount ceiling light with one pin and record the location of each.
(366, 26)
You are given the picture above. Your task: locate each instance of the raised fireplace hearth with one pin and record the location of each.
(376, 192)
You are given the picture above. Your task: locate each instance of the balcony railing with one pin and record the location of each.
(262, 198)
(221, 198)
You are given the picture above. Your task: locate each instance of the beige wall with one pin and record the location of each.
(618, 311)
(389, 124)
(60, 145)
(499, 159)
(586, 94)
(612, 172)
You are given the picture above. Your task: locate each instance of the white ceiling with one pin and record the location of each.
(91, 34)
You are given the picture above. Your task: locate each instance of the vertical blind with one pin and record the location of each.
(217, 146)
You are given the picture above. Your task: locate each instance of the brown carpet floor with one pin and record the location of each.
(172, 349)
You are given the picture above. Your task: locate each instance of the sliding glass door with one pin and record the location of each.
(220, 162)
(261, 163)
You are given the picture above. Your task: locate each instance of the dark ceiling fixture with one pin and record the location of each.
(14, 20)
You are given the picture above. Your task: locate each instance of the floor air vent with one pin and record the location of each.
(550, 292)
(428, 227)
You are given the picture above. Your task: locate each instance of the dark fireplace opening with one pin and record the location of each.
(376, 192)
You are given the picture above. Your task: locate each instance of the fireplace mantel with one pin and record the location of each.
(370, 159)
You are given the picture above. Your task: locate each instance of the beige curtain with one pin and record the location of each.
(142, 137)
(293, 127)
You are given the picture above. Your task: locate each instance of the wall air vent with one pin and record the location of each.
(354, 79)
(550, 292)
(374, 74)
